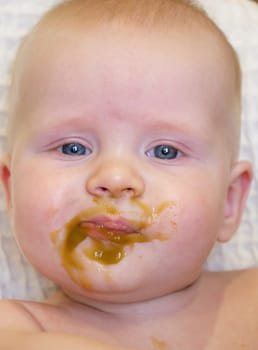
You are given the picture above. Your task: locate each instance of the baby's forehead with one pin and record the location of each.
(109, 38)
(163, 16)
(188, 23)
(79, 25)
(193, 36)
(104, 55)
(158, 21)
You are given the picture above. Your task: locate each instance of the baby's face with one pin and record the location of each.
(120, 167)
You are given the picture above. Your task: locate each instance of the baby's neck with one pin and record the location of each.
(166, 304)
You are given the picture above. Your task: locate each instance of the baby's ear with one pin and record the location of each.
(5, 179)
(240, 181)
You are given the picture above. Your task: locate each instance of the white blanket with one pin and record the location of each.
(239, 20)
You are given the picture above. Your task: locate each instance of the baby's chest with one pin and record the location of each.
(199, 330)
(193, 334)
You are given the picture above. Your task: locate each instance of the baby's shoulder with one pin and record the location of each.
(230, 299)
(15, 315)
(241, 296)
(243, 285)
(239, 288)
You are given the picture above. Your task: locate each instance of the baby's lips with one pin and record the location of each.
(120, 224)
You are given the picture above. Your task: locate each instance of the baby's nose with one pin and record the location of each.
(115, 179)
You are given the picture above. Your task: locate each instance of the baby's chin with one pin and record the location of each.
(123, 282)
(119, 284)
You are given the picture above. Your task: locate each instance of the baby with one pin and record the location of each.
(121, 174)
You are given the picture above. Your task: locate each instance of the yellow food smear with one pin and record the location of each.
(158, 344)
(110, 249)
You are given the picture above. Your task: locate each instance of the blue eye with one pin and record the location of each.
(165, 152)
(75, 149)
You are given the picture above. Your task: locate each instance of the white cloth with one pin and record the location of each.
(239, 20)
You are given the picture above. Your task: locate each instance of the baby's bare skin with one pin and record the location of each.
(218, 312)
(128, 132)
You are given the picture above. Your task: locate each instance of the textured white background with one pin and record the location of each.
(239, 19)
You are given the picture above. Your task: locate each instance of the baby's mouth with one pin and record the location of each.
(109, 229)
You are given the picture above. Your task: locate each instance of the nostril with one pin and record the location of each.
(128, 190)
(103, 189)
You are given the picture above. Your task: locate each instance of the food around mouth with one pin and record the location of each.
(101, 234)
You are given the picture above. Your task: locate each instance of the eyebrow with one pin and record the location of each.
(149, 121)
(179, 127)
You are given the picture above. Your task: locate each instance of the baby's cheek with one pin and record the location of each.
(165, 223)
(199, 221)
(32, 220)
